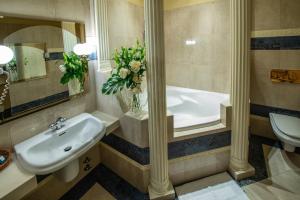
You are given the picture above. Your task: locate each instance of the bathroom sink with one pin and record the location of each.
(52, 150)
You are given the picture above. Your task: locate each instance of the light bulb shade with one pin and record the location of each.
(6, 55)
(83, 49)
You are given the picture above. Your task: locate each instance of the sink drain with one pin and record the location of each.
(68, 148)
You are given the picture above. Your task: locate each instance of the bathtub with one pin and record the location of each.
(194, 108)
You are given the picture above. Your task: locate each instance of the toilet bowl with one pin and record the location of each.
(287, 129)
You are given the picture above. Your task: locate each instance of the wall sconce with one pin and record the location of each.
(6, 55)
(84, 49)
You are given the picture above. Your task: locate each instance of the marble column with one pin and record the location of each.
(101, 21)
(160, 186)
(240, 88)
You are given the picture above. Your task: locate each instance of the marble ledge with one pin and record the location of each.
(15, 183)
(112, 123)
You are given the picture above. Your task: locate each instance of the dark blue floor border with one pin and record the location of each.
(175, 149)
(263, 111)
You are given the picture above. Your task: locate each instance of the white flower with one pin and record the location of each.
(62, 68)
(135, 66)
(136, 79)
(123, 73)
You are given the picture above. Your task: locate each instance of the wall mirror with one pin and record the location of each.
(34, 72)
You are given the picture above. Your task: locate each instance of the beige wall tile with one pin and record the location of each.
(126, 23)
(5, 141)
(204, 65)
(261, 126)
(265, 14)
(289, 14)
(263, 90)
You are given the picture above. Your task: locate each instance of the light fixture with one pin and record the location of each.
(84, 49)
(190, 42)
(6, 55)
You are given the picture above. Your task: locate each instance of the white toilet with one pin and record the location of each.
(287, 129)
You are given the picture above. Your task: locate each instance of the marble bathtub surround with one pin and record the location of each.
(181, 170)
(240, 88)
(175, 149)
(134, 128)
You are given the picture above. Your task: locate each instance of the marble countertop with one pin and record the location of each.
(15, 183)
(112, 123)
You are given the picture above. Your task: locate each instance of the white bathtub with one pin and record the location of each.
(194, 108)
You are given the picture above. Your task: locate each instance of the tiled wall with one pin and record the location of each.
(275, 18)
(205, 65)
(79, 10)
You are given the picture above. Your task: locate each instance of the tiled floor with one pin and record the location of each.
(284, 177)
(277, 177)
(117, 187)
(217, 187)
(97, 192)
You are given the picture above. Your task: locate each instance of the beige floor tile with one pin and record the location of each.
(203, 183)
(216, 187)
(279, 161)
(282, 187)
(97, 192)
(284, 177)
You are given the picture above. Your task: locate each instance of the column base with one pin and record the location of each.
(241, 174)
(168, 195)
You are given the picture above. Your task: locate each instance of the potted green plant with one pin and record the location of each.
(75, 67)
(128, 74)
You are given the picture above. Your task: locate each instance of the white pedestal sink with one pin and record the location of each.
(58, 151)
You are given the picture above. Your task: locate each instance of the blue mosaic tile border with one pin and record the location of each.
(59, 56)
(276, 43)
(40, 102)
(175, 149)
(262, 110)
(55, 56)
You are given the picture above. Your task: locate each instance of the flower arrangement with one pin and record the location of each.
(74, 67)
(128, 73)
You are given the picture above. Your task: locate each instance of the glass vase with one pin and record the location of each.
(136, 104)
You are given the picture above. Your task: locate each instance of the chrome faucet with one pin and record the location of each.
(58, 124)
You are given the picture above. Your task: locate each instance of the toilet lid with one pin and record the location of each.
(287, 124)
